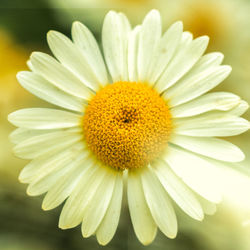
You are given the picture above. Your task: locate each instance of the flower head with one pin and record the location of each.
(146, 118)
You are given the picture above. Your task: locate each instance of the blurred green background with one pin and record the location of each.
(23, 28)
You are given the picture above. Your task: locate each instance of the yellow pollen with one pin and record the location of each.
(127, 125)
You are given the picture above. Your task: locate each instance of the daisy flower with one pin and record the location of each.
(145, 120)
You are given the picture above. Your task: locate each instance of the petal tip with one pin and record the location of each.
(62, 226)
(204, 40)
(227, 68)
(172, 235)
(179, 24)
(76, 23)
(21, 179)
(146, 242)
(44, 207)
(11, 118)
(28, 192)
(19, 74)
(53, 34)
(154, 12)
(102, 240)
(110, 13)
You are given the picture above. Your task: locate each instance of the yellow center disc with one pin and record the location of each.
(127, 125)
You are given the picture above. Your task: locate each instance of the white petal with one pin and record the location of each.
(240, 109)
(197, 173)
(97, 207)
(187, 54)
(211, 147)
(207, 206)
(148, 41)
(159, 203)
(43, 89)
(178, 191)
(200, 83)
(42, 183)
(30, 66)
(164, 52)
(73, 210)
(58, 75)
(214, 124)
(86, 42)
(133, 41)
(43, 118)
(37, 166)
(143, 223)
(64, 186)
(108, 226)
(206, 62)
(21, 134)
(72, 58)
(41, 144)
(115, 44)
(212, 101)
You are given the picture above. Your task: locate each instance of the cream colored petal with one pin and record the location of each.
(133, 41)
(212, 124)
(63, 187)
(200, 83)
(196, 172)
(56, 73)
(187, 54)
(211, 147)
(159, 203)
(240, 109)
(28, 173)
(207, 206)
(44, 118)
(143, 223)
(21, 134)
(30, 66)
(73, 210)
(38, 145)
(212, 101)
(87, 44)
(31, 170)
(148, 41)
(43, 89)
(115, 34)
(97, 207)
(108, 226)
(206, 62)
(164, 52)
(73, 59)
(178, 191)
(50, 175)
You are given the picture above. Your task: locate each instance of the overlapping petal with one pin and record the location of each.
(62, 163)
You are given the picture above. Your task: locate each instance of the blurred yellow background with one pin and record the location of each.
(23, 27)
